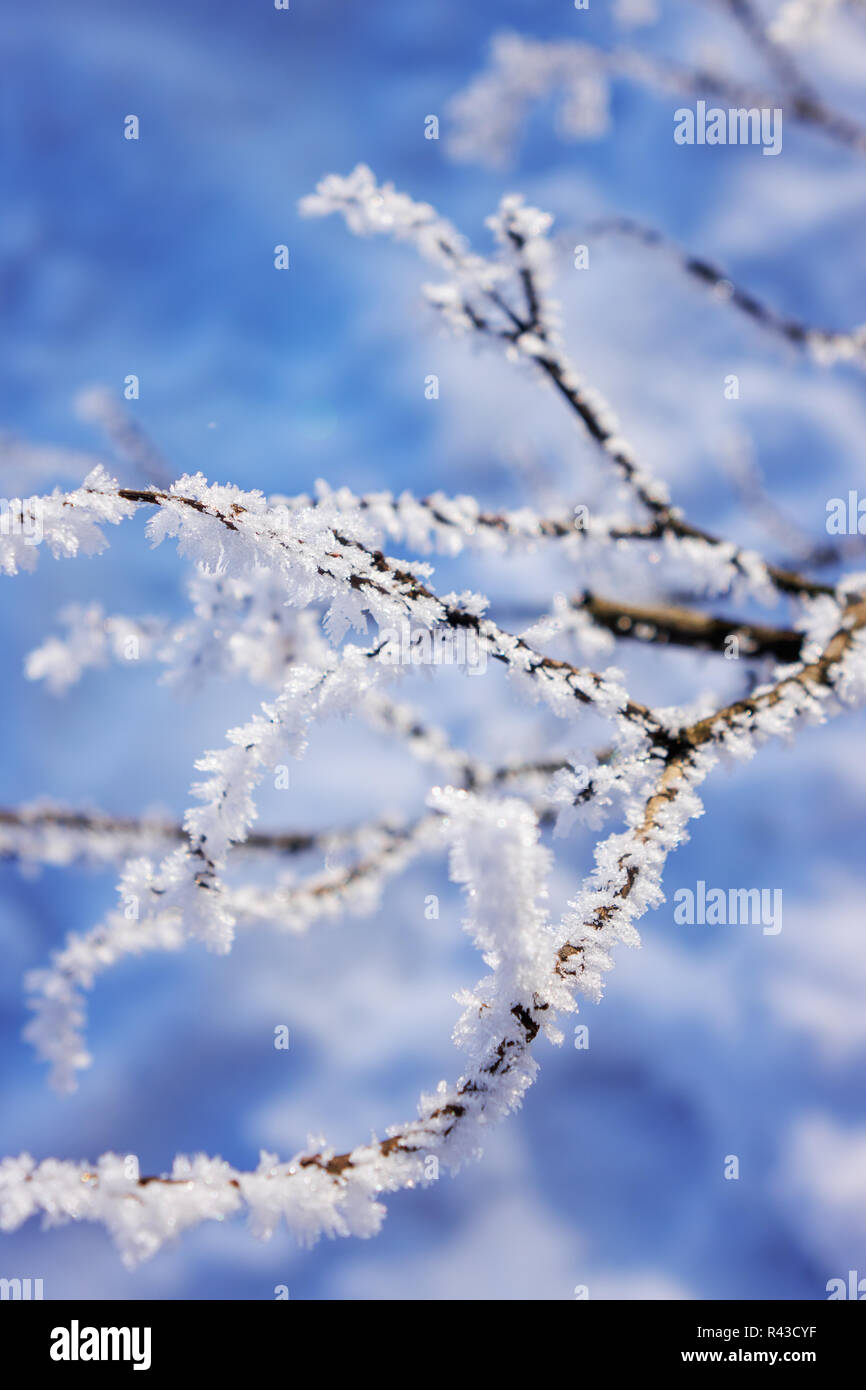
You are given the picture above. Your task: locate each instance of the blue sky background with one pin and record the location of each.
(156, 257)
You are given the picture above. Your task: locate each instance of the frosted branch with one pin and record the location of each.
(489, 114)
(826, 346)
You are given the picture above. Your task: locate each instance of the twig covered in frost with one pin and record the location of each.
(322, 564)
(489, 114)
(241, 627)
(449, 525)
(42, 833)
(263, 650)
(381, 850)
(140, 924)
(826, 346)
(514, 286)
(70, 523)
(524, 267)
(495, 853)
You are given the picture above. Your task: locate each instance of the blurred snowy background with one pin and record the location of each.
(156, 258)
